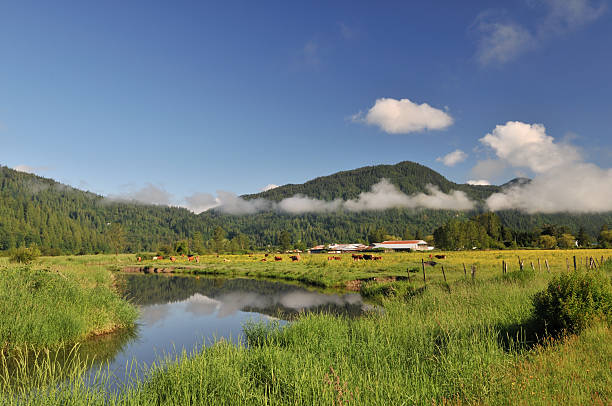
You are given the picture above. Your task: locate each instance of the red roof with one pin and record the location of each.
(403, 242)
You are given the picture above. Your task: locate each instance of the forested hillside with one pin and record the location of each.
(60, 219)
(409, 177)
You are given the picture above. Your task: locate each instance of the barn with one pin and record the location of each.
(408, 245)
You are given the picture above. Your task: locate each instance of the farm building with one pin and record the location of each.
(339, 248)
(412, 245)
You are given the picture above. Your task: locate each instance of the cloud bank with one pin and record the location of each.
(382, 196)
(479, 182)
(404, 116)
(453, 158)
(149, 194)
(562, 182)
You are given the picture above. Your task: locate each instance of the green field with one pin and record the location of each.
(463, 341)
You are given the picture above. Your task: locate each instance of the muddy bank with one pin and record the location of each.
(146, 269)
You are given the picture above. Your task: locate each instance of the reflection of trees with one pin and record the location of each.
(160, 289)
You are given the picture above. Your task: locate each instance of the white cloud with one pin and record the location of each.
(527, 145)
(578, 188)
(563, 182)
(384, 195)
(269, 187)
(502, 40)
(304, 204)
(453, 158)
(566, 15)
(149, 194)
(489, 168)
(479, 182)
(30, 169)
(404, 116)
(200, 202)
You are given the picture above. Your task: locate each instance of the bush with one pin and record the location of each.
(24, 255)
(572, 301)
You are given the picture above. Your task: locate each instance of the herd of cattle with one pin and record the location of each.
(296, 258)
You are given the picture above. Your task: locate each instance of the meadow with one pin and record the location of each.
(460, 341)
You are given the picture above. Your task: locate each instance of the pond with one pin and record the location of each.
(185, 312)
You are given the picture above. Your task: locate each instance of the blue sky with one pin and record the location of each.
(195, 97)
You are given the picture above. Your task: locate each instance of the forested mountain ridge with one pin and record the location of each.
(61, 219)
(409, 177)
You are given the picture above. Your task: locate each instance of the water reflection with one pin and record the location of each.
(184, 312)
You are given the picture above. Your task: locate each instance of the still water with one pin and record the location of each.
(184, 312)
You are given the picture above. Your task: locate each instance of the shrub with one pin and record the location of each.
(24, 255)
(572, 301)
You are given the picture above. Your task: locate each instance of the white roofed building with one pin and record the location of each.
(412, 245)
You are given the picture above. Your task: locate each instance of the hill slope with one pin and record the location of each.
(59, 218)
(409, 177)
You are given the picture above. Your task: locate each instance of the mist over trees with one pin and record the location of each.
(58, 219)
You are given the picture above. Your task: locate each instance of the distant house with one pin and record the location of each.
(409, 245)
(339, 248)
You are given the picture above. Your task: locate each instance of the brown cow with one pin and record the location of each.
(337, 258)
(367, 257)
(172, 259)
(377, 258)
(263, 260)
(295, 258)
(430, 263)
(198, 259)
(139, 259)
(278, 258)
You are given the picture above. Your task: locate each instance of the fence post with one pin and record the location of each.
(539, 265)
(423, 266)
(547, 267)
(473, 272)
(464, 270)
(574, 263)
(443, 274)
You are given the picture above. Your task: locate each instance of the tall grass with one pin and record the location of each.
(461, 342)
(43, 307)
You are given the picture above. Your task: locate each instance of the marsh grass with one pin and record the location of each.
(460, 342)
(44, 307)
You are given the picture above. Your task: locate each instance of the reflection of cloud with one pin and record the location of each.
(200, 305)
(296, 300)
(153, 314)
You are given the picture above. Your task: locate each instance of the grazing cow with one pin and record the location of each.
(263, 260)
(430, 263)
(278, 258)
(226, 260)
(377, 258)
(172, 259)
(330, 258)
(441, 256)
(198, 259)
(190, 258)
(337, 258)
(139, 259)
(357, 257)
(295, 258)
(367, 257)
(266, 255)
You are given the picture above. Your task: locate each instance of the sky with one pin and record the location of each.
(180, 102)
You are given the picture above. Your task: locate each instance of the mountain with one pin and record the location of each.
(62, 219)
(409, 177)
